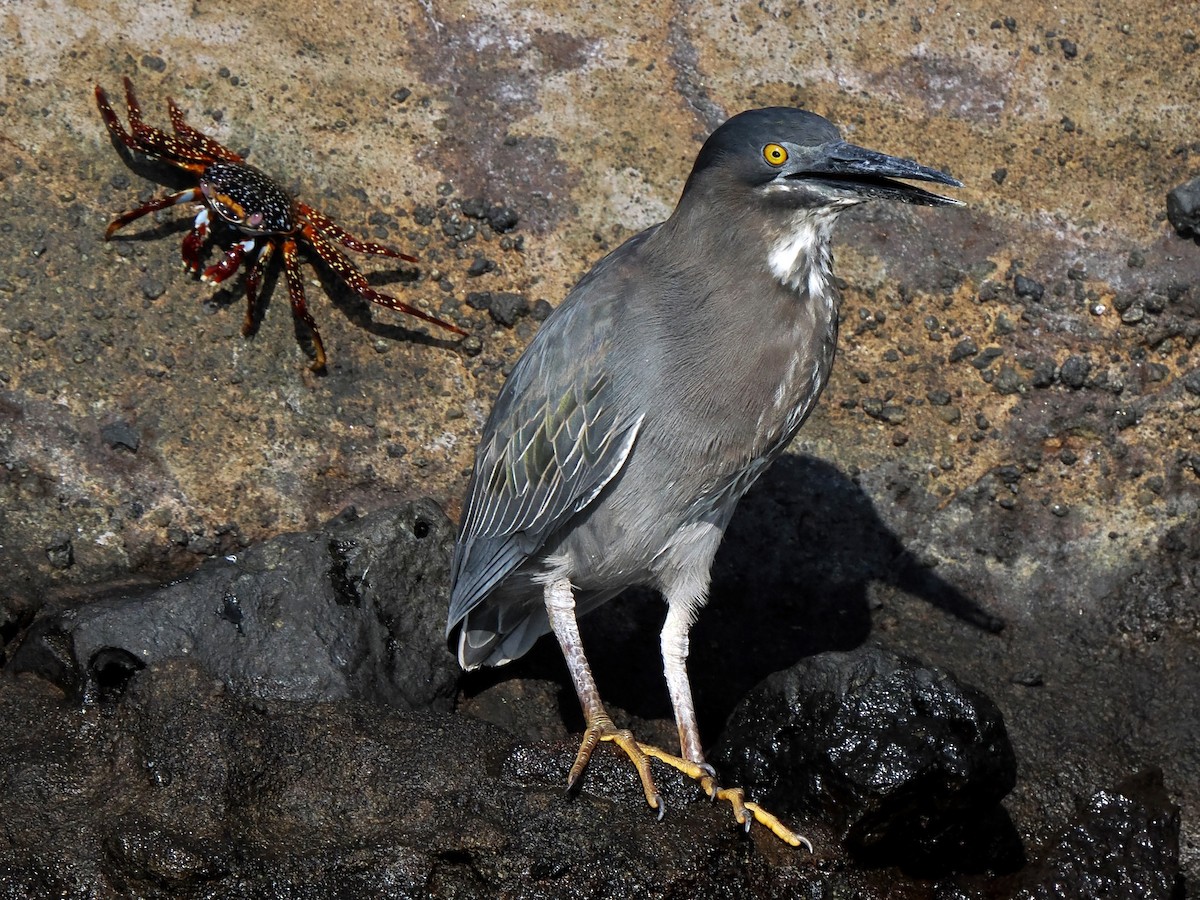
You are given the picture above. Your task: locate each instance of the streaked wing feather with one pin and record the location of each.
(557, 435)
(557, 459)
(557, 449)
(499, 555)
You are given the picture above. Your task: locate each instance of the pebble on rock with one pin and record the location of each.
(119, 435)
(1183, 208)
(881, 748)
(1074, 371)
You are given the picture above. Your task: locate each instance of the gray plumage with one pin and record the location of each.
(651, 399)
(681, 364)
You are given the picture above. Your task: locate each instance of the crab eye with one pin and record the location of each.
(774, 154)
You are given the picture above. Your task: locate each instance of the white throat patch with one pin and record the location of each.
(801, 258)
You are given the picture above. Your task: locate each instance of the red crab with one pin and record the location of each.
(253, 205)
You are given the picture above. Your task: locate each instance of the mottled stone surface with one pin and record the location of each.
(1047, 473)
(355, 610)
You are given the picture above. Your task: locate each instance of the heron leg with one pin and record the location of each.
(680, 613)
(560, 608)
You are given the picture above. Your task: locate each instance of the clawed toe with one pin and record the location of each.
(744, 812)
(604, 730)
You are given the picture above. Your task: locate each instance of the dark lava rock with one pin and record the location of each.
(964, 348)
(987, 357)
(475, 207)
(1074, 371)
(479, 299)
(506, 308)
(1123, 844)
(1007, 474)
(121, 435)
(61, 552)
(1043, 372)
(353, 610)
(1183, 208)
(886, 752)
(888, 413)
(480, 265)
(502, 218)
(1191, 382)
(180, 788)
(1126, 417)
(1133, 314)
(1027, 287)
(1008, 381)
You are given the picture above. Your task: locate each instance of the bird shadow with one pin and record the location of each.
(792, 579)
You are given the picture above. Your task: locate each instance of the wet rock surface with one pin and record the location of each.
(353, 611)
(1122, 843)
(181, 789)
(1009, 439)
(889, 754)
(185, 777)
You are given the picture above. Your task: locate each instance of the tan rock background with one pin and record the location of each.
(585, 120)
(1067, 124)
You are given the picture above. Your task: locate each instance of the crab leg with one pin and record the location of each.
(188, 196)
(198, 139)
(348, 272)
(253, 277)
(291, 269)
(146, 139)
(228, 264)
(193, 241)
(323, 223)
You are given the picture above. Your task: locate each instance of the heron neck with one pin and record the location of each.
(792, 246)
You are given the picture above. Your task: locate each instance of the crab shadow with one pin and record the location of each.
(342, 297)
(332, 289)
(362, 312)
(167, 177)
(793, 578)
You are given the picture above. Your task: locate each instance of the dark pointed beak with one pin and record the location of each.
(867, 174)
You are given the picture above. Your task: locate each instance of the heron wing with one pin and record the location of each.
(557, 455)
(554, 439)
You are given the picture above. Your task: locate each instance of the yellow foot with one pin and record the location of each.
(744, 811)
(603, 729)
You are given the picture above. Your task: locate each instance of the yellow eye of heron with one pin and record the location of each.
(774, 154)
